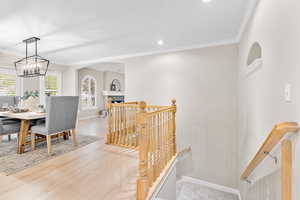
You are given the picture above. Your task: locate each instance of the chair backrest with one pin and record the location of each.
(61, 113)
(9, 100)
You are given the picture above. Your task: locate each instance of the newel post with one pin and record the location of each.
(174, 125)
(286, 170)
(142, 182)
(110, 121)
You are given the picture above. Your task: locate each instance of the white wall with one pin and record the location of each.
(275, 25)
(70, 82)
(204, 82)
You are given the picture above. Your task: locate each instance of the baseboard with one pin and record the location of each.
(211, 185)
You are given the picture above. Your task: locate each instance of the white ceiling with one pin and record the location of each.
(86, 31)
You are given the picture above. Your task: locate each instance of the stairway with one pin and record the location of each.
(192, 191)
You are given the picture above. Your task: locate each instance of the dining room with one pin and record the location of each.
(39, 115)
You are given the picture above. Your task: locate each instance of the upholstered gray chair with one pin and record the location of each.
(9, 100)
(61, 116)
(8, 126)
(8, 129)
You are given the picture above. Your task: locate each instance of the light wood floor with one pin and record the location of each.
(96, 171)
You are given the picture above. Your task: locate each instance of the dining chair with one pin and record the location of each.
(61, 116)
(8, 129)
(8, 123)
(8, 100)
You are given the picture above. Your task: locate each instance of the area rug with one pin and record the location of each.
(11, 162)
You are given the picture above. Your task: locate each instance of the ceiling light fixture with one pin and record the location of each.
(206, 1)
(160, 42)
(34, 65)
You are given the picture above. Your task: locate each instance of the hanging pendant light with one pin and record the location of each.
(34, 65)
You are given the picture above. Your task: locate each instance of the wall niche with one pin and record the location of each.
(254, 59)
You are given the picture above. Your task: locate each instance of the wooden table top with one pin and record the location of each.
(25, 115)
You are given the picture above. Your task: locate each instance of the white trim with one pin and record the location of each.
(81, 83)
(253, 67)
(86, 63)
(211, 185)
(249, 13)
(163, 180)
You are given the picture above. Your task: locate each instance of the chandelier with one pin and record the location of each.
(34, 65)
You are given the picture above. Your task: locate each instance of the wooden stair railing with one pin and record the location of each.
(274, 138)
(149, 129)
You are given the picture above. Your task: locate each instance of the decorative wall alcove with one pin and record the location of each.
(254, 59)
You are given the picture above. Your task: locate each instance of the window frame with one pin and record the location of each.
(95, 95)
(58, 74)
(19, 82)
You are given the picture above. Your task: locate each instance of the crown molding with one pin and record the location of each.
(171, 50)
(249, 13)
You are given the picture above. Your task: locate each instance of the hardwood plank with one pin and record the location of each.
(96, 171)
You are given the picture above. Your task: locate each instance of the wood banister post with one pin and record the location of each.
(142, 182)
(286, 170)
(174, 125)
(109, 111)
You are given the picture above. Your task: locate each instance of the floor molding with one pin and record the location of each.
(211, 185)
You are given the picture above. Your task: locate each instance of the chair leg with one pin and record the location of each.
(66, 135)
(32, 141)
(49, 147)
(58, 137)
(9, 138)
(74, 140)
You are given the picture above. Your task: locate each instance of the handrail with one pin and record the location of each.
(275, 136)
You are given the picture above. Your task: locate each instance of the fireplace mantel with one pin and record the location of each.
(113, 93)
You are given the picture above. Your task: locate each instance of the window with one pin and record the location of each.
(8, 84)
(88, 92)
(51, 85)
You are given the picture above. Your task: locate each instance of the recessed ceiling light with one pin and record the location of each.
(206, 1)
(160, 42)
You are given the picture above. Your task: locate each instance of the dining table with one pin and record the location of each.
(26, 118)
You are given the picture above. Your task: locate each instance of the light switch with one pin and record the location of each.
(287, 92)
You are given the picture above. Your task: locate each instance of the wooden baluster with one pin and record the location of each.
(286, 170)
(163, 140)
(170, 139)
(122, 138)
(174, 126)
(142, 182)
(114, 124)
(166, 137)
(126, 126)
(109, 110)
(159, 143)
(151, 152)
(155, 146)
(136, 139)
(118, 125)
(131, 127)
